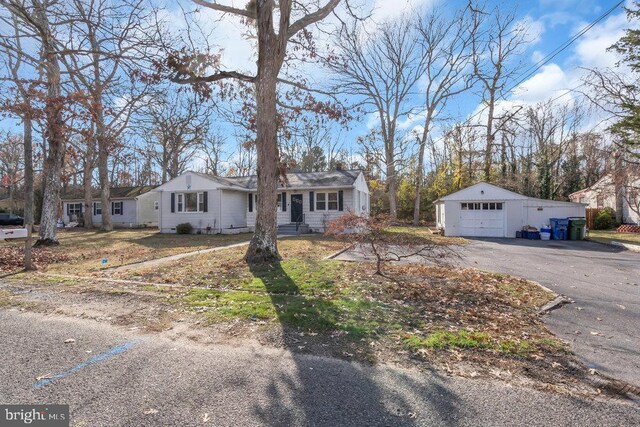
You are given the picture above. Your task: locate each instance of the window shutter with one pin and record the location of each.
(340, 200)
(113, 205)
(68, 209)
(250, 202)
(311, 201)
(284, 201)
(173, 202)
(94, 209)
(205, 200)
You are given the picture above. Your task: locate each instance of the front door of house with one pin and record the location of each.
(296, 208)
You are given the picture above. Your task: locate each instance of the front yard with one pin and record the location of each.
(463, 321)
(83, 252)
(607, 236)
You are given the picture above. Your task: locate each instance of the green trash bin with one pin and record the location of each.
(577, 228)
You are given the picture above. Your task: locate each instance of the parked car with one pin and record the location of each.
(11, 219)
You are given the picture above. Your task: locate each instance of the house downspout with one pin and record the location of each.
(137, 211)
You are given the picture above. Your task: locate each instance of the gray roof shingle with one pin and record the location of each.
(341, 178)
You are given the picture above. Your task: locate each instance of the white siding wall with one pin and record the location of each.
(189, 182)
(234, 209)
(199, 220)
(147, 214)
(518, 214)
(316, 220)
(127, 219)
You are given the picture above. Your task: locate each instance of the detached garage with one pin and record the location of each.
(486, 210)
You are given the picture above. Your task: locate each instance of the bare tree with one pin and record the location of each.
(502, 38)
(11, 164)
(211, 150)
(273, 23)
(446, 45)
(25, 106)
(176, 124)
(380, 70)
(107, 46)
(33, 19)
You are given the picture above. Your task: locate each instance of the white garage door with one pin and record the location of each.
(484, 219)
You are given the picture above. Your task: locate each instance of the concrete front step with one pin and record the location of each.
(291, 229)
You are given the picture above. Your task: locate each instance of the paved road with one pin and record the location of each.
(112, 377)
(603, 326)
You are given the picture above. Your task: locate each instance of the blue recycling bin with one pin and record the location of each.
(559, 227)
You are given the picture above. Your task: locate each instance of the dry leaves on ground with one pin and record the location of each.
(12, 257)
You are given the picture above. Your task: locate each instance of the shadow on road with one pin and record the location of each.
(328, 391)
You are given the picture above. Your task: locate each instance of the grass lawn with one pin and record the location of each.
(450, 317)
(420, 310)
(607, 236)
(82, 252)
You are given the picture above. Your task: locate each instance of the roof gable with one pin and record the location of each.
(483, 191)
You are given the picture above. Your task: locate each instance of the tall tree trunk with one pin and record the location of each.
(619, 185)
(392, 188)
(87, 181)
(54, 131)
(263, 247)
(488, 153)
(420, 168)
(103, 165)
(28, 190)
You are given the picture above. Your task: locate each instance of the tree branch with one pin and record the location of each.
(312, 18)
(225, 9)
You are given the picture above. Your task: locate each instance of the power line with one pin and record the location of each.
(534, 68)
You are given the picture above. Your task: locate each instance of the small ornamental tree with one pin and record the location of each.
(373, 234)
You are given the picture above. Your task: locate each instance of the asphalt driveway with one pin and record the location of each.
(603, 325)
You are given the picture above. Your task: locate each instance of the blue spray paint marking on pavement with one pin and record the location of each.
(95, 359)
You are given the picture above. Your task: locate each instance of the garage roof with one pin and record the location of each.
(483, 191)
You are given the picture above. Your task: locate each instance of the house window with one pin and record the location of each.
(485, 206)
(499, 206)
(279, 202)
(333, 201)
(74, 209)
(180, 202)
(116, 208)
(464, 206)
(326, 201)
(97, 208)
(190, 202)
(599, 201)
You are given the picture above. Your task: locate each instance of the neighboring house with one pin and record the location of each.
(307, 201)
(485, 210)
(602, 194)
(130, 207)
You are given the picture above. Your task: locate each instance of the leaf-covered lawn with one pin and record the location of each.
(418, 308)
(607, 236)
(82, 252)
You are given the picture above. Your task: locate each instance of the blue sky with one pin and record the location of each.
(552, 22)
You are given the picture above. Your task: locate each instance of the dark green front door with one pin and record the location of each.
(296, 208)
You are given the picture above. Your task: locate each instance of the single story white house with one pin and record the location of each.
(306, 201)
(486, 210)
(130, 207)
(602, 194)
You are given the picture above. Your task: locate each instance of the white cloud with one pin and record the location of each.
(384, 10)
(542, 85)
